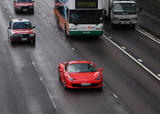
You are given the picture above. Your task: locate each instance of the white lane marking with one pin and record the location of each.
(39, 73)
(140, 60)
(130, 56)
(123, 47)
(115, 96)
(158, 75)
(148, 35)
(73, 49)
(41, 79)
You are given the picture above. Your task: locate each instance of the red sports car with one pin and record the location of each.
(80, 74)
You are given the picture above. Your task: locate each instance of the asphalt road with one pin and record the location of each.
(28, 75)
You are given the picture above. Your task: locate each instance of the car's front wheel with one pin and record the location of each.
(33, 42)
(64, 84)
(59, 77)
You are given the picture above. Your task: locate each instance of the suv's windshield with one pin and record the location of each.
(124, 7)
(22, 25)
(86, 16)
(81, 67)
(24, 1)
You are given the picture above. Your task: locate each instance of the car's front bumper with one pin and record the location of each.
(84, 84)
(22, 39)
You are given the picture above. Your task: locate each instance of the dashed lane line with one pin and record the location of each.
(148, 35)
(130, 56)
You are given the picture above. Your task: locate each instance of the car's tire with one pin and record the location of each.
(12, 42)
(59, 77)
(64, 84)
(33, 42)
(32, 11)
(16, 11)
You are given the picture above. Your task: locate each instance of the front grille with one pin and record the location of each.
(125, 19)
(24, 35)
(25, 7)
(79, 85)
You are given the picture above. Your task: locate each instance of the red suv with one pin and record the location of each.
(24, 6)
(21, 30)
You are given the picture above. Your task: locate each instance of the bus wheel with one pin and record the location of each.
(58, 22)
(66, 32)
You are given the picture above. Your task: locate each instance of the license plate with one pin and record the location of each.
(24, 9)
(24, 39)
(85, 84)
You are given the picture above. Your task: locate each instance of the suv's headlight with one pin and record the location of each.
(15, 35)
(115, 19)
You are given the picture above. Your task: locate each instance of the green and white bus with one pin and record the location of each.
(80, 17)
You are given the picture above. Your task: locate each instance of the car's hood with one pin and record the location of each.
(24, 4)
(84, 76)
(23, 31)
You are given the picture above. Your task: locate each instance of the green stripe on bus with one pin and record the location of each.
(85, 33)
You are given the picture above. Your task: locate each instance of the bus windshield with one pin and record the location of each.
(124, 7)
(86, 16)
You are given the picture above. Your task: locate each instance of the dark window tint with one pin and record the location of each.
(82, 67)
(21, 25)
(23, 1)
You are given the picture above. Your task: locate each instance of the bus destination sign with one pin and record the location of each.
(86, 3)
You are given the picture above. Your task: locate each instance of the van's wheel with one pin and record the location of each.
(133, 26)
(113, 25)
(64, 84)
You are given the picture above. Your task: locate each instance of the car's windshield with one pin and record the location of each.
(81, 67)
(86, 16)
(124, 7)
(23, 1)
(22, 25)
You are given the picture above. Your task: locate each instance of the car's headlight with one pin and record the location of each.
(115, 19)
(15, 35)
(99, 76)
(70, 77)
(31, 35)
(18, 7)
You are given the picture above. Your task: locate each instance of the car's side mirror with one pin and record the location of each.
(32, 0)
(33, 27)
(100, 69)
